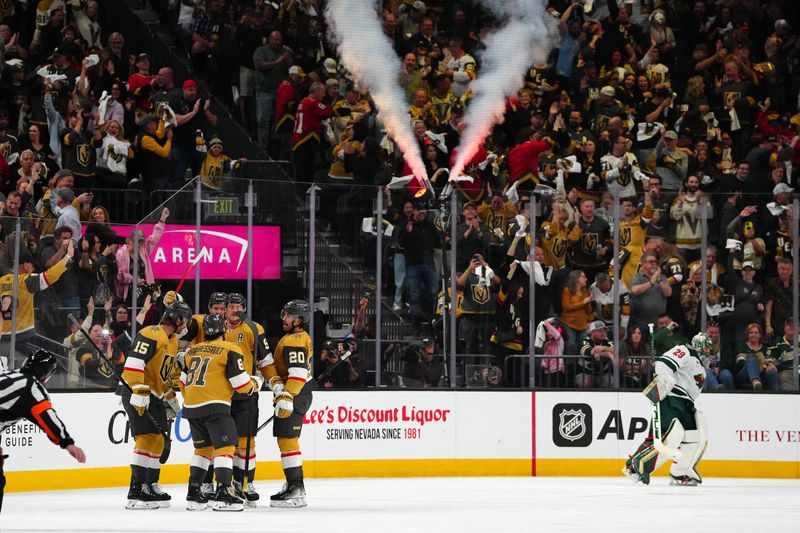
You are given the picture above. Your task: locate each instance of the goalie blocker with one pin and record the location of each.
(678, 430)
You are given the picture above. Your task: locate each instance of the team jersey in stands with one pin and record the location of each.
(151, 360)
(21, 396)
(292, 359)
(212, 372)
(28, 285)
(688, 371)
(308, 121)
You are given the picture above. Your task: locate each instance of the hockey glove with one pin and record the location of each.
(276, 384)
(284, 405)
(172, 297)
(258, 382)
(659, 387)
(173, 407)
(140, 398)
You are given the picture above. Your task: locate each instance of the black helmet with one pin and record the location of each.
(217, 298)
(178, 313)
(297, 308)
(213, 325)
(40, 365)
(236, 298)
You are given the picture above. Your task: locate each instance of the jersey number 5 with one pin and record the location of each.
(196, 373)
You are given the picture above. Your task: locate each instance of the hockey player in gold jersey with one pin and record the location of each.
(148, 371)
(290, 381)
(194, 330)
(256, 356)
(210, 374)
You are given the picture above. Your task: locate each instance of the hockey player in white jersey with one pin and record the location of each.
(678, 430)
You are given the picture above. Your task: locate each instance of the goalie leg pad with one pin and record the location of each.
(646, 459)
(693, 446)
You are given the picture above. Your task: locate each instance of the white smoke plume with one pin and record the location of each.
(510, 51)
(368, 54)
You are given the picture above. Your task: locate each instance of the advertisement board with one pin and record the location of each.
(223, 251)
(429, 433)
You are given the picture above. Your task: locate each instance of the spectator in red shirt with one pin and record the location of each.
(306, 135)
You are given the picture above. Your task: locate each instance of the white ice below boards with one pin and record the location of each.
(441, 505)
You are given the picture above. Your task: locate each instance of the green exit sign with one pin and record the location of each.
(223, 207)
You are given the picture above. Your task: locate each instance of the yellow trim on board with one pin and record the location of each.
(710, 468)
(85, 478)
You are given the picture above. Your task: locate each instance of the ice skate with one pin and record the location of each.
(250, 496)
(207, 490)
(686, 481)
(629, 470)
(140, 497)
(292, 495)
(225, 499)
(162, 497)
(195, 499)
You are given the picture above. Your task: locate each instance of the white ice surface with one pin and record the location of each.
(440, 505)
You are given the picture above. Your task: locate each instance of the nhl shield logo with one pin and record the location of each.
(572, 425)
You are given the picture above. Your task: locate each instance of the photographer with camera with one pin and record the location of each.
(426, 372)
(329, 356)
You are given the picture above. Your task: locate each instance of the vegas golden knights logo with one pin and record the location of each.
(559, 247)
(625, 236)
(624, 177)
(166, 367)
(589, 243)
(84, 151)
(480, 293)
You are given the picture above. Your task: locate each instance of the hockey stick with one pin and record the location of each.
(147, 413)
(244, 318)
(186, 272)
(320, 378)
(658, 444)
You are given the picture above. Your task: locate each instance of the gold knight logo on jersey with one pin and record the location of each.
(589, 243)
(480, 293)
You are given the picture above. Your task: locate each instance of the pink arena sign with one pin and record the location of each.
(223, 251)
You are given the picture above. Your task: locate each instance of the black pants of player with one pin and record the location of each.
(244, 410)
(141, 424)
(217, 430)
(292, 426)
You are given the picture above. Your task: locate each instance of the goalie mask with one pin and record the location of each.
(703, 344)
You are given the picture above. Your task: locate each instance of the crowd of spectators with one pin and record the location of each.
(657, 122)
(82, 112)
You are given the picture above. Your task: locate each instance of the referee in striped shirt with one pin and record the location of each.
(22, 395)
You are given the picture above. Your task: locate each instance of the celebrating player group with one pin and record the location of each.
(220, 371)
